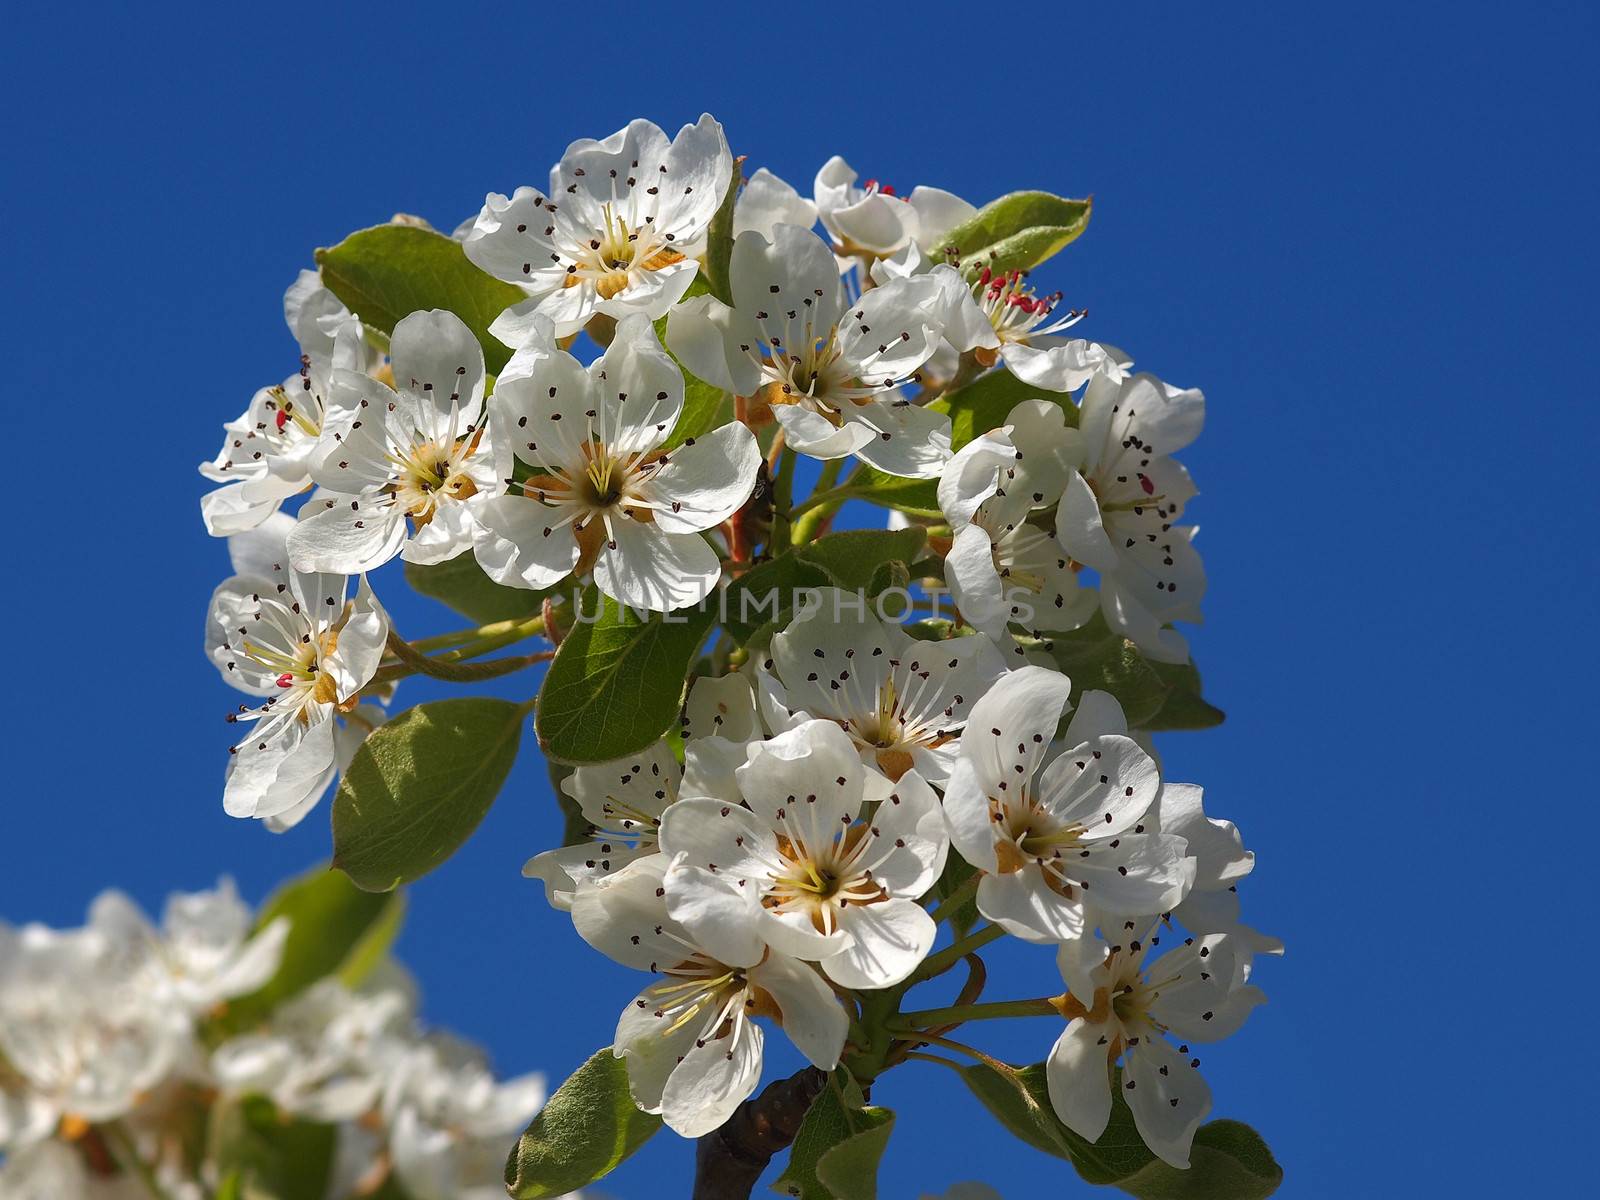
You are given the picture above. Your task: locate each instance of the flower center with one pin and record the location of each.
(430, 471)
(619, 254)
(819, 880)
(1015, 310)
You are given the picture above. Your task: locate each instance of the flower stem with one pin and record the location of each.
(958, 1014)
(495, 634)
(127, 1154)
(937, 964)
(947, 907)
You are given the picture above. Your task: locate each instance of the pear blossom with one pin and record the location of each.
(1002, 570)
(604, 493)
(767, 202)
(623, 801)
(803, 867)
(1119, 514)
(78, 1029)
(1000, 317)
(295, 641)
(449, 1120)
(1133, 1005)
(721, 706)
(206, 951)
(690, 1041)
(405, 473)
(826, 368)
(327, 1053)
(902, 701)
(869, 217)
(1051, 842)
(617, 233)
(267, 453)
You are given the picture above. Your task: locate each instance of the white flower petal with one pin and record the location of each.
(888, 941)
(1078, 1076)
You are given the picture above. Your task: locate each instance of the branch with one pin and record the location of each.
(729, 1161)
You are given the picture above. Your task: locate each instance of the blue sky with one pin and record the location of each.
(1367, 233)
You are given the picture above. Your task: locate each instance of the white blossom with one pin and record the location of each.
(1134, 1006)
(295, 641)
(1120, 514)
(690, 1041)
(1002, 570)
(1051, 842)
(767, 202)
(206, 950)
(871, 218)
(617, 233)
(268, 452)
(803, 867)
(827, 368)
(449, 1120)
(604, 493)
(903, 702)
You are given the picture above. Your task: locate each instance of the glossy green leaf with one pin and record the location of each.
(616, 683)
(390, 271)
(420, 785)
(460, 584)
(1018, 231)
(851, 558)
(263, 1154)
(836, 1151)
(1229, 1160)
(335, 928)
(589, 1126)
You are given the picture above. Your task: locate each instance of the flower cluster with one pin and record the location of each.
(124, 1075)
(842, 801)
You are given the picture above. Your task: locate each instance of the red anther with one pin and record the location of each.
(282, 418)
(870, 184)
(887, 190)
(984, 276)
(286, 679)
(1147, 485)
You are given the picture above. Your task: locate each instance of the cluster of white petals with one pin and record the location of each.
(844, 779)
(109, 1060)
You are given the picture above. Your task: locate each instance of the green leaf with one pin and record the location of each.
(589, 1126)
(1019, 231)
(1154, 696)
(850, 1169)
(852, 557)
(616, 683)
(420, 785)
(974, 409)
(390, 271)
(460, 584)
(957, 871)
(836, 1151)
(705, 408)
(266, 1155)
(1229, 1160)
(335, 928)
(719, 239)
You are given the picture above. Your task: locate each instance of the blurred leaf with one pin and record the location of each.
(957, 871)
(335, 928)
(1018, 231)
(589, 1126)
(391, 271)
(262, 1154)
(420, 785)
(851, 558)
(616, 682)
(1229, 1160)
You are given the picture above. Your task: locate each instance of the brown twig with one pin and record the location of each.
(729, 1161)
